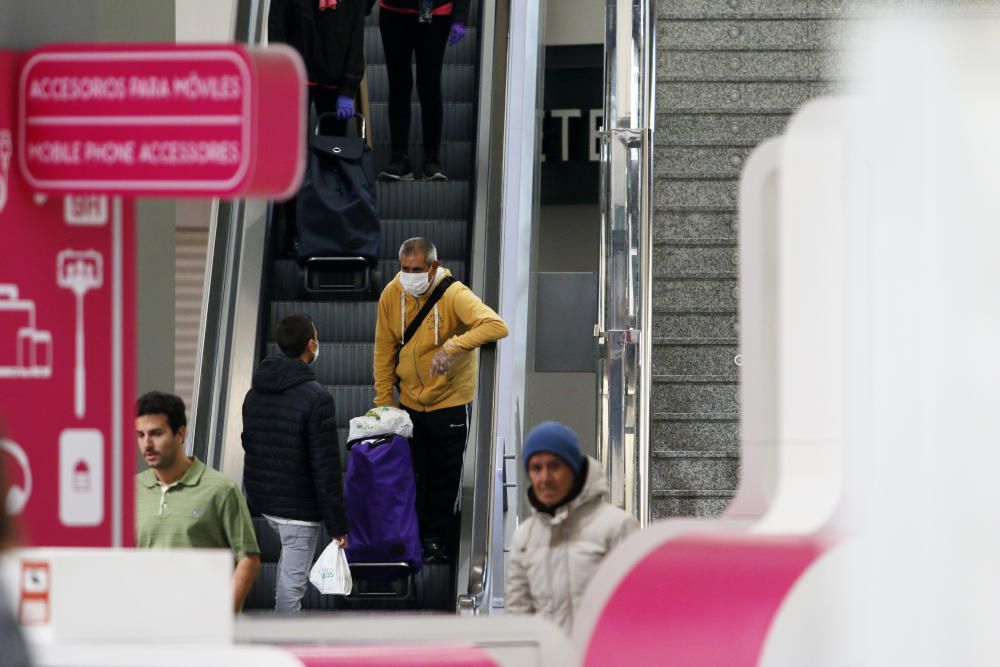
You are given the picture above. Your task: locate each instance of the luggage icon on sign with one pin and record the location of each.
(79, 271)
(25, 351)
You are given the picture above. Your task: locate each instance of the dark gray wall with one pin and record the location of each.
(728, 74)
(568, 241)
(25, 24)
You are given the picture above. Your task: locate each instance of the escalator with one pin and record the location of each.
(439, 211)
(253, 277)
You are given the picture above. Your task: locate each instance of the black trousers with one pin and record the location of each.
(404, 37)
(438, 447)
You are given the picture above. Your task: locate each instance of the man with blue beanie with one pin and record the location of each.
(572, 528)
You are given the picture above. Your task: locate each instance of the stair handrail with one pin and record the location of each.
(625, 288)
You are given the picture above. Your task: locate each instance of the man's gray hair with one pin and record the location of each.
(419, 246)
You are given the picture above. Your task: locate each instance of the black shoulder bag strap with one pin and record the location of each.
(435, 296)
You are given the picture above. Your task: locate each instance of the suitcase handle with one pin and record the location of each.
(330, 114)
(373, 441)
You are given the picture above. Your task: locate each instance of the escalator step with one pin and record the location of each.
(336, 321)
(458, 123)
(456, 159)
(463, 53)
(423, 199)
(458, 83)
(343, 363)
(286, 280)
(448, 236)
(287, 285)
(351, 401)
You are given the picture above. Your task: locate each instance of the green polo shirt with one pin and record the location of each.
(202, 509)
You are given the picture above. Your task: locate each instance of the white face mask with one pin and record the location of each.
(415, 283)
(315, 356)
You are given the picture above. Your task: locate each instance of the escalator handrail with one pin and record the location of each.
(485, 281)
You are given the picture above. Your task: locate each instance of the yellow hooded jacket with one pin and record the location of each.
(459, 316)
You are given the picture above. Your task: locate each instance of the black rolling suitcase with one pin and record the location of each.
(336, 208)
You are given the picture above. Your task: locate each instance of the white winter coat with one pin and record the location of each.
(553, 558)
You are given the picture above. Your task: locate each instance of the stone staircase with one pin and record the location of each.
(729, 73)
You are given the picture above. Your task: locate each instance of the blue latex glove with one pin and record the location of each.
(345, 107)
(457, 33)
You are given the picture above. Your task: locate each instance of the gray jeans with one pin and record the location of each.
(298, 546)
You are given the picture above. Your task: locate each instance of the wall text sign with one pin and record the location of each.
(164, 120)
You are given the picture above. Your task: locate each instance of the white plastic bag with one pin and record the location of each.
(380, 421)
(331, 574)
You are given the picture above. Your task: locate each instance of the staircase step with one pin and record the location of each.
(694, 472)
(685, 395)
(666, 454)
(699, 161)
(694, 434)
(703, 260)
(665, 504)
(708, 129)
(671, 225)
(696, 294)
(695, 359)
(675, 325)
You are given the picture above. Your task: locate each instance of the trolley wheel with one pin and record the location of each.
(434, 587)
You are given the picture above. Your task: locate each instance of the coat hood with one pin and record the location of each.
(277, 374)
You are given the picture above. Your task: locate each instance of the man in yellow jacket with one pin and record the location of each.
(435, 369)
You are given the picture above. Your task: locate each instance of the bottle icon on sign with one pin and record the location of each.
(81, 477)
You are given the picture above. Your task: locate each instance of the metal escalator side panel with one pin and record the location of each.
(477, 537)
(228, 342)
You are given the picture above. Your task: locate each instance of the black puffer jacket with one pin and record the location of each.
(330, 41)
(292, 465)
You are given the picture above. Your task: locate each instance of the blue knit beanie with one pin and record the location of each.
(557, 439)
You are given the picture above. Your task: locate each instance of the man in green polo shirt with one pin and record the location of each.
(181, 502)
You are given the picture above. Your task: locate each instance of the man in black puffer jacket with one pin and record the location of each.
(292, 465)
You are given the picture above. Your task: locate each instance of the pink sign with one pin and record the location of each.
(700, 601)
(162, 120)
(67, 354)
